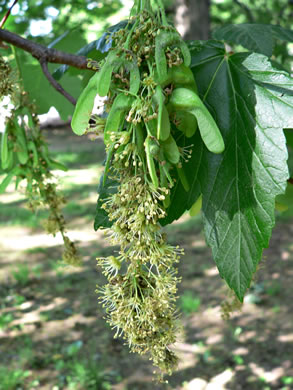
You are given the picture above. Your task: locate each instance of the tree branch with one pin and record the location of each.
(6, 16)
(43, 53)
(55, 84)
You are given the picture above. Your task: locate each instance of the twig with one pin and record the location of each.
(246, 9)
(43, 53)
(55, 84)
(5, 17)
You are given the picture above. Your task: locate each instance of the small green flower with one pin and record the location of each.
(111, 265)
(140, 302)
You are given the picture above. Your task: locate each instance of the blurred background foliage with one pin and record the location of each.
(251, 11)
(278, 12)
(48, 19)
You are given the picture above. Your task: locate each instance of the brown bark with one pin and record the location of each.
(43, 53)
(192, 19)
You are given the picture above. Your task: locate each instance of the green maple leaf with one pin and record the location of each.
(251, 102)
(259, 38)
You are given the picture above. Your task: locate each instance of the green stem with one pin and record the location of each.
(142, 5)
(163, 13)
(147, 281)
(126, 45)
(134, 9)
(141, 293)
(148, 129)
(128, 92)
(17, 62)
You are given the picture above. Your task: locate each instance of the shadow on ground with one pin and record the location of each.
(52, 331)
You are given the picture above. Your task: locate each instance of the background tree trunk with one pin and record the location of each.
(192, 18)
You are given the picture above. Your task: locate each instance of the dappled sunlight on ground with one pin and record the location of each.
(10, 194)
(21, 239)
(79, 176)
(52, 327)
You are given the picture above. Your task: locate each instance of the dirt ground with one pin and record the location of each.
(52, 331)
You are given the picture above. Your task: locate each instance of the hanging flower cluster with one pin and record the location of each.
(141, 291)
(153, 107)
(25, 156)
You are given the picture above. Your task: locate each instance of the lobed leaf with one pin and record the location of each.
(251, 102)
(255, 37)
